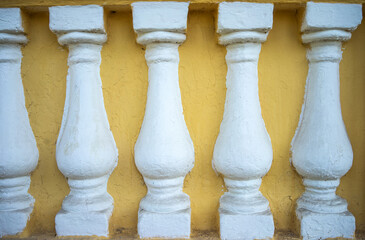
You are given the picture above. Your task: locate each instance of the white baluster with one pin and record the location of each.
(321, 150)
(86, 152)
(243, 152)
(164, 152)
(18, 148)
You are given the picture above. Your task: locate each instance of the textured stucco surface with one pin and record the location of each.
(282, 73)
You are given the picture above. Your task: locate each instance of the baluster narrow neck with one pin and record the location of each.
(246, 188)
(10, 81)
(323, 89)
(321, 190)
(84, 78)
(10, 53)
(243, 52)
(320, 196)
(85, 53)
(83, 96)
(242, 98)
(325, 51)
(14, 193)
(159, 53)
(164, 97)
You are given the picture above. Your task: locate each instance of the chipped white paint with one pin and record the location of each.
(243, 152)
(86, 152)
(164, 152)
(321, 150)
(18, 148)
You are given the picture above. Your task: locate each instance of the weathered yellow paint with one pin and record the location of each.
(282, 73)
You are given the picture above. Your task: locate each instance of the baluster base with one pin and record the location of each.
(246, 226)
(83, 223)
(315, 226)
(164, 225)
(14, 222)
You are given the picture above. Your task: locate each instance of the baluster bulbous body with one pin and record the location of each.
(243, 152)
(164, 151)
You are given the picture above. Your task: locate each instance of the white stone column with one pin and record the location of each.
(243, 152)
(164, 152)
(86, 152)
(321, 150)
(18, 148)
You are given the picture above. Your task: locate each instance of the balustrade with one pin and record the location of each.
(86, 152)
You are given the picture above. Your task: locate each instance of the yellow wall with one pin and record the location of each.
(282, 73)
